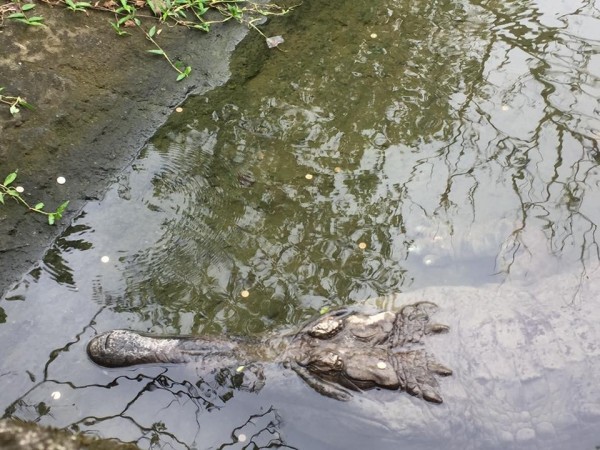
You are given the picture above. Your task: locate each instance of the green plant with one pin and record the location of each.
(183, 73)
(24, 18)
(77, 6)
(193, 14)
(14, 103)
(6, 190)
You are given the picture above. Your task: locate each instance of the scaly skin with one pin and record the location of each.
(340, 351)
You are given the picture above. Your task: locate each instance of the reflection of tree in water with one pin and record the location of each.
(54, 262)
(127, 406)
(455, 118)
(259, 431)
(548, 155)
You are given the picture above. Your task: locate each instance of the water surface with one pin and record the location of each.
(390, 146)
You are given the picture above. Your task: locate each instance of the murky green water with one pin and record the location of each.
(444, 137)
(390, 146)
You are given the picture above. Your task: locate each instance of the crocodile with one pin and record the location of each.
(525, 357)
(339, 352)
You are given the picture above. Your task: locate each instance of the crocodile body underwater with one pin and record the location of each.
(524, 362)
(342, 351)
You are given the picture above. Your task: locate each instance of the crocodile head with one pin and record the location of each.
(356, 351)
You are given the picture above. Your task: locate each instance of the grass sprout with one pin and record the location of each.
(7, 190)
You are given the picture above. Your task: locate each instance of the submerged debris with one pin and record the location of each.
(274, 41)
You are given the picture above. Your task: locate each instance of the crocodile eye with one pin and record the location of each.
(326, 329)
(336, 361)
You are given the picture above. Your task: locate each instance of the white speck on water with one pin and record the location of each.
(20, 189)
(373, 35)
(505, 108)
(55, 395)
(242, 438)
(429, 260)
(61, 180)
(381, 365)
(105, 259)
(308, 176)
(245, 293)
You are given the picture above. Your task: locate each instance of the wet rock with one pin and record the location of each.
(16, 435)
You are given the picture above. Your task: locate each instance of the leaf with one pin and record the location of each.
(152, 31)
(153, 7)
(10, 178)
(27, 6)
(39, 206)
(52, 217)
(184, 73)
(118, 29)
(35, 20)
(1, 198)
(122, 20)
(25, 104)
(61, 209)
(156, 51)
(202, 26)
(16, 16)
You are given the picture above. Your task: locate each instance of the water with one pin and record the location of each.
(390, 146)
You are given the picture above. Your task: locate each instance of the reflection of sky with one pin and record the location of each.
(459, 144)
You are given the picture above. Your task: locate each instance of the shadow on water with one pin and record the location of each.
(391, 146)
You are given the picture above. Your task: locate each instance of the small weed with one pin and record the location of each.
(14, 103)
(20, 16)
(77, 6)
(183, 73)
(8, 191)
(193, 14)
